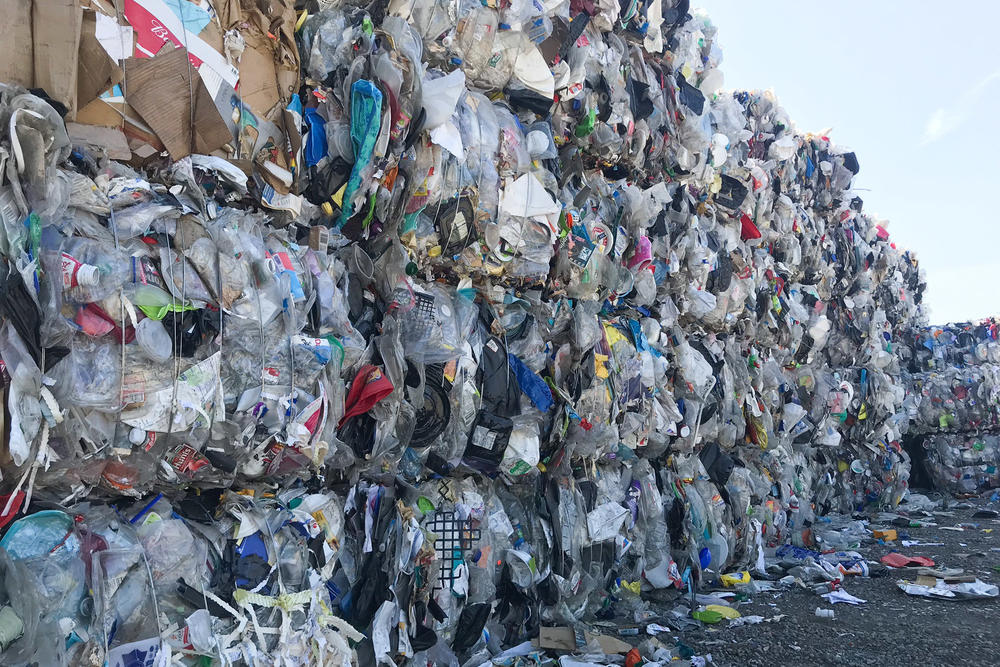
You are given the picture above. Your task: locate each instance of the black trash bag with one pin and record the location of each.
(190, 329)
(523, 99)
(851, 163)
(423, 639)
(732, 193)
(718, 464)
(487, 442)
(501, 393)
(470, 626)
(359, 433)
(17, 306)
(434, 413)
(690, 96)
(369, 591)
(199, 505)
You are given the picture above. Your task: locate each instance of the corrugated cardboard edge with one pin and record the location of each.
(55, 34)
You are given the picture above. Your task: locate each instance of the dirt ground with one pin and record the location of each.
(891, 628)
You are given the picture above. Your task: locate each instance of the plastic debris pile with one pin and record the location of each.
(954, 403)
(481, 322)
(963, 462)
(955, 375)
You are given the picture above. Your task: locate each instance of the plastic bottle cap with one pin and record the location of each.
(88, 275)
(136, 436)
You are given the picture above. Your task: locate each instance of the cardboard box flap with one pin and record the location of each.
(109, 138)
(17, 60)
(159, 89)
(230, 12)
(97, 72)
(562, 638)
(56, 35)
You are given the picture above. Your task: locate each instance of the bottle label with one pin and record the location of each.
(187, 460)
(70, 266)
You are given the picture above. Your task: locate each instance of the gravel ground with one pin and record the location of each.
(892, 628)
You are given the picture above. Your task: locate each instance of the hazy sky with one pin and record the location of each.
(914, 89)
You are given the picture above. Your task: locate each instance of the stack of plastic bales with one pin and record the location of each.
(954, 402)
(963, 462)
(543, 327)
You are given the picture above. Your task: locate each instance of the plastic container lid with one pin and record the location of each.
(154, 339)
(88, 275)
(719, 550)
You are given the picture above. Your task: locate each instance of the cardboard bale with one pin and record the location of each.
(17, 59)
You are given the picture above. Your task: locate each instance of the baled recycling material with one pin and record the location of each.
(390, 334)
(954, 403)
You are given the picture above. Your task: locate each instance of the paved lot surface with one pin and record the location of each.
(892, 628)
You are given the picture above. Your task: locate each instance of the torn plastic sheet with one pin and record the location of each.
(974, 590)
(196, 397)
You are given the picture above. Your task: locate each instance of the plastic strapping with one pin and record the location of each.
(152, 588)
(121, 314)
(50, 402)
(260, 320)
(13, 494)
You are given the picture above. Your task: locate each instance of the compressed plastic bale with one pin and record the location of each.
(702, 313)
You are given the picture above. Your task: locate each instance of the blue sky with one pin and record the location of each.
(914, 89)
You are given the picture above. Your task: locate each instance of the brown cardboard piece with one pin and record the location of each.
(561, 638)
(97, 71)
(56, 40)
(557, 638)
(115, 114)
(319, 238)
(258, 84)
(612, 645)
(159, 89)
(228, 11)
(269, 75)
(269, 67)
(17, 60)
(110, 139)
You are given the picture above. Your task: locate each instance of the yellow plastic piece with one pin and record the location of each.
(734, 578)
(725, 612)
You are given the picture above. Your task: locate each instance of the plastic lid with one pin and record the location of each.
(88, 275)
(154, 339)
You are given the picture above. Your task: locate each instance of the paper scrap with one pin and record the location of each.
(115, 39)
(448, 137)
(191, 15)
(604, 522)
(833, 597)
